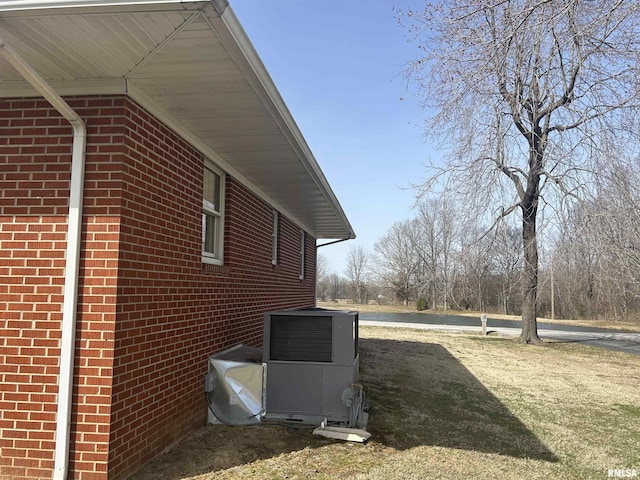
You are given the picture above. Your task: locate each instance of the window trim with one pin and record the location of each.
(302, 253)
(207, 257)
(274, 237)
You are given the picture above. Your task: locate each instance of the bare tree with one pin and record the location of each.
(336, 287)
(476, 261)
(428, 248)
(529, 97)
(616, 224)
(575, 263)
(322, 266)
(322, 276)
(436, 231)
(396, 264)
(598, 250)
(508, 262)
(356, 271)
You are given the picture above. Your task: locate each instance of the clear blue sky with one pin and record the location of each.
(339, 67)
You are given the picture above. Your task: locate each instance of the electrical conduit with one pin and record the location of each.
(74, 229)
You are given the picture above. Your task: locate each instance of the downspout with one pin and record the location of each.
(71, 280)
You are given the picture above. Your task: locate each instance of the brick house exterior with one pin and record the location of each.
(150, 309)
(150, 312)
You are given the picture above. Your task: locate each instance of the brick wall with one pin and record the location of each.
(150, 312)
(173, 310)
(35, 159)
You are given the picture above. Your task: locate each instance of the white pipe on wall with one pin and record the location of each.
(74, 230)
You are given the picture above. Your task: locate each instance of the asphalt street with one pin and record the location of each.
(628, 342)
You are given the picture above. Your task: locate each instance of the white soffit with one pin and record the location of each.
(194, 69)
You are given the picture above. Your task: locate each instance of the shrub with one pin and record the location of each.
(421, 304)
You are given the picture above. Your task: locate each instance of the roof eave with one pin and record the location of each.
(19, 5)
(231, 34)
(242, 45)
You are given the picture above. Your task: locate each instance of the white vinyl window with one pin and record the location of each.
(302, 252)
(212, 215)
(274, 239)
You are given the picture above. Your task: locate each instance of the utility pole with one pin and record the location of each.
(553, 296)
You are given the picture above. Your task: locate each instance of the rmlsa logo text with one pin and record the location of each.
(623, 473)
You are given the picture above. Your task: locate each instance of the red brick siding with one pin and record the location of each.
(173, 310)
(150, 312)
(35, 156)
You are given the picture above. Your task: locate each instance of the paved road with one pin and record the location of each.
(599, 337)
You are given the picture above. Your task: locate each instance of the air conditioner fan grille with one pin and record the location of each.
(301, 338)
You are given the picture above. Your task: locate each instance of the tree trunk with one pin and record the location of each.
(434, 297)
(529, 333)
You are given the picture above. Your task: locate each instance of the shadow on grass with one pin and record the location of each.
(420, 394)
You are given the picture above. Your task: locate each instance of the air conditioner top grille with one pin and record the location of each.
(301, 338)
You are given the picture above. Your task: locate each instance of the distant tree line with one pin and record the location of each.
(596, 259)
(442, 260)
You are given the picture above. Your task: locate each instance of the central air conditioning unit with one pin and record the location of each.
(309, 373)
(312, 365)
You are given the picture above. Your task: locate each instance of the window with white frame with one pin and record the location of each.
(212, 215)
(274, 239)
(302, 252)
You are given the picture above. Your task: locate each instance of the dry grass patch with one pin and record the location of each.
(448, 406)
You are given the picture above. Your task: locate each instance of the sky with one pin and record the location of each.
(339, 67)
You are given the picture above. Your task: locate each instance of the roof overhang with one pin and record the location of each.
(191, 65)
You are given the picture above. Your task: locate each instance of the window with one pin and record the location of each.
(212, 216)
(274, 239)
(302, 237)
